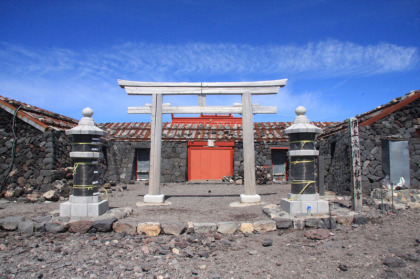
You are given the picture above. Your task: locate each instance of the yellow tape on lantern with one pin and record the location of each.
(300, 162)
(106, 192)
(300, 182)
(81, 163)
(304, 142)
(89, 187)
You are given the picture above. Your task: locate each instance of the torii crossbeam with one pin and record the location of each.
(245, 89)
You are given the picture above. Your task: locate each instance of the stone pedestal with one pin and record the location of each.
(154, 198)
(298, 204)
(77, 206)
(250, 198)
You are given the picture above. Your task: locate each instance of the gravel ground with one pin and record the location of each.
(200, 202)
(386, 247)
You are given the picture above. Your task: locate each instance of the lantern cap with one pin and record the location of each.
(86, 125)
(301, 123)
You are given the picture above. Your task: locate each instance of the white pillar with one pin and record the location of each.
(202, 100)
(154, 195)
(249, 153)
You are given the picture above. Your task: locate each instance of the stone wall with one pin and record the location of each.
(262, 156)
(174, 161)
(120, 161)
(336, 152)
(62, 149)
(399, 125)
(38, 157)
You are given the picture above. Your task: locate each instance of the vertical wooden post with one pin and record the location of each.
(155, 145)
(249, 153)
(356, 168)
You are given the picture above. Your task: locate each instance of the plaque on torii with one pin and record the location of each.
(246, 108)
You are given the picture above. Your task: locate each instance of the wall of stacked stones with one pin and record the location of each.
(174, 166)
(238, 160)
(119, 163)
(36, 162)
(336, 153)
(62, 149)
(263, 156)
(398, 126)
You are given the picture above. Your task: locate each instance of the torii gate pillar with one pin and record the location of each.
(250, 195)
(245, 89)
(155, 195)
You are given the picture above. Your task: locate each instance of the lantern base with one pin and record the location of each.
(304, 204)
(84, 206)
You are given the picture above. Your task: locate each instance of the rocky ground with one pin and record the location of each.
(386, 247)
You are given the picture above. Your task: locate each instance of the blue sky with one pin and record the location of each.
(341, 58)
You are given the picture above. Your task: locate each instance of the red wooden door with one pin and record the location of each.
(209, 162)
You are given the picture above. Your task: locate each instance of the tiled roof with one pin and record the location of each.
(140, 131)
(37, 117)
(376, 114)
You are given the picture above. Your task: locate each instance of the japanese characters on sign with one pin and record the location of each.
(356, 175)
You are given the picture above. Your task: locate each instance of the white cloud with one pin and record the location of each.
(39, 76)
(185, 61)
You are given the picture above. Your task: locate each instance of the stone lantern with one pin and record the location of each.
(86, 152)
(303, 198)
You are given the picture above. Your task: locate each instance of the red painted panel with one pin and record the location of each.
(209, 162)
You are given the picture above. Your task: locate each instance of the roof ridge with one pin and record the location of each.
(31, 108)
(37, 117)
(390, 107)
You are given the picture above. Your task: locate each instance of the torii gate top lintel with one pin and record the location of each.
(202, 88)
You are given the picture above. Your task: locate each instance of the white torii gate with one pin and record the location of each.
(245, 89)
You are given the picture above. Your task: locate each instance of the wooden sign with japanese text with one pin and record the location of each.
(356, 168)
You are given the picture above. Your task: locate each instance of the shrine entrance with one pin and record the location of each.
(246, 108)
(210, 162)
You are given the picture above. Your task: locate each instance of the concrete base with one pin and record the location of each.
(141, 204)
(250, 198)
(245, 204)
(154, 198)
(300, 204)
(84, 207)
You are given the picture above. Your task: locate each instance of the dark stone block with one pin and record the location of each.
(54, 228)
(11, 223)
(81, 226)
(45, 173)
(312, 222)
(3, 150)
(104, 225)
(360, 219)
(284, 223)
(42, 219)
(327, 223)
